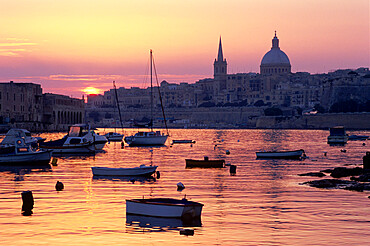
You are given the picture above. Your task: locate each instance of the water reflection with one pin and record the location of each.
(131, 179)
(138, 223)
(20, 170)
(274, 136)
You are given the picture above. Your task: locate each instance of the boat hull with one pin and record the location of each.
(337, 139)
(205, 163)
(146, 140)
(295, 154)
(136, 171)
(164, 207)
(71, 149)
(31, 158)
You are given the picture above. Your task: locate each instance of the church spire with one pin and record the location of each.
(220, 56)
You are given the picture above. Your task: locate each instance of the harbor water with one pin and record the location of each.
(264, 203)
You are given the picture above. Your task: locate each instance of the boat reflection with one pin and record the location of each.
(23, 169)
(138, 223)
(132, 179)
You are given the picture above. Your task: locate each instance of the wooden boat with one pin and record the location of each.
(292, 154)
(164, 207)
(180, 141)
(205, 163)
(22, 153)
(142, 170)
(337, 135)
(114, 136)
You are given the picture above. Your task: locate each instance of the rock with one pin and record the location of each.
(329, 183)
(362, 178)
(313, 174)
(340, 172)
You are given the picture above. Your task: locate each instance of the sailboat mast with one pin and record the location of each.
(119, 110)
(151, 91)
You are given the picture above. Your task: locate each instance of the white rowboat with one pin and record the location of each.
(164, 207)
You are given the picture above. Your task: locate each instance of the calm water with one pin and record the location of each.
(263, 204)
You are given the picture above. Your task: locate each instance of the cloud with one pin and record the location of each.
(15, 47)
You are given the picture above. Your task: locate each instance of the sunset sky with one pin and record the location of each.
(70, 45)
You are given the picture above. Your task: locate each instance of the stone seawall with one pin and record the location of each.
(318, 121)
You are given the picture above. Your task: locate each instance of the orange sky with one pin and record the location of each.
(68, 45)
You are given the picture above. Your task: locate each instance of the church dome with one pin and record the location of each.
(275, 56)
(275, 61)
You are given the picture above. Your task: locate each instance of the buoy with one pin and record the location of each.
(122, 145)
(191, 145)
(187, 232)
(151, 151)
(180, 186)
(158, 174)
(343, 150)
(233, 169)
(27, 206)
(238, 141)
(59, 186)
(227, 152)
(363, 144)
(325, 153)
(54, 161)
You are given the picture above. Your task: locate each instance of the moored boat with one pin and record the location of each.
(69, 145)
(164, 207)
(337, 135)
(357, 137)
(179, 141)
(22, 153)
(15, 133)
(205, 163)
(150, 138)
(114, 136)
(141, 170)
(291, 154)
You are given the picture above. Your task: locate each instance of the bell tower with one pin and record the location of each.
(220, 64)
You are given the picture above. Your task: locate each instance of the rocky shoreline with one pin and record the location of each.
(359, 177)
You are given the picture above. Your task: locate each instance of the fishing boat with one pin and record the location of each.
(150, 138)
(180, 141)
(69, 145)
(337, 135)
(141, 170)
(164, 207)
(22, 153)
(205, 163)
(15, 133)
(291, 154)
(114, 136)
(84, 131)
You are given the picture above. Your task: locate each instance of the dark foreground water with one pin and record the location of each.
(263, 204)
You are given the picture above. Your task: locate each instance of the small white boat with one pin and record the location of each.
(142, 170)
(292, 154)
(164, 207)
(84, 131)
(22, 153)
(146, 139)
(337, 135)
(114, 136)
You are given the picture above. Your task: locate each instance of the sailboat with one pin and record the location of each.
(149, 138)
(114, 136)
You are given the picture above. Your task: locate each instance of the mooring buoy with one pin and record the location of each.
(233, 169)
(27, 206)
(59, 186)
(180, 186)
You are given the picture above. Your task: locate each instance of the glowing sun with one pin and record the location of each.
(91, 90)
